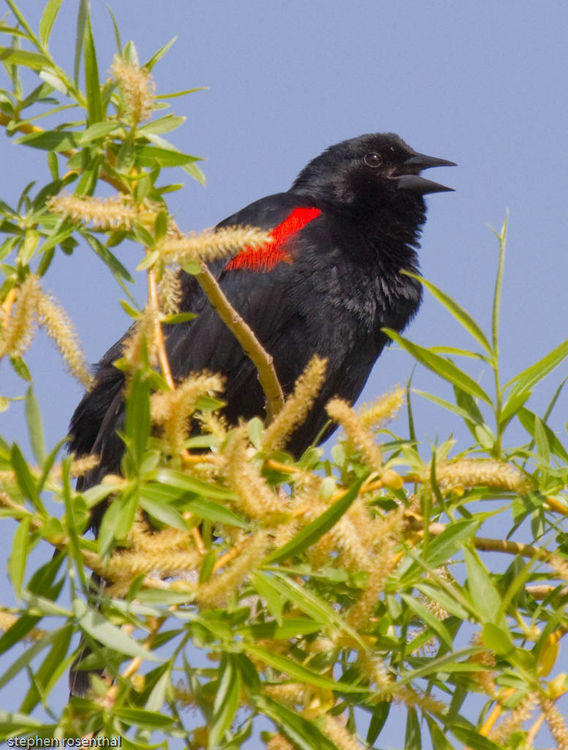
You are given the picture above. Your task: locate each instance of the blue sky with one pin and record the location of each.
(480, 83)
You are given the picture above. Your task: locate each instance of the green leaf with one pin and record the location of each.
(51, 668)
(159, 54)
(137, 420)
(118, 270)
(528, 378)
(226, 700)
(178, 318)
(199, 506)
(166, 514)
(33, 60)
(305, 734)
(528, 419)
(291, 627)
(298, 672)
(165, 157)
(429, 618)
(445, 404)
(98, 627)
(25, 479)
(191, 484)
(310, 603)
(163, 125)
(442, 367)
(18, 557)
(444, 546)
(272, 594)
(473, 739)
(47, 20)
(456, 310)
(413, 736)
(316, 528)
(513, 403)
(483, 591)
(142, 718)
(50, 140)
(502, 237)
(439, 739)
(96, 131)
(92, 83)
(497, 639)
(35, 427)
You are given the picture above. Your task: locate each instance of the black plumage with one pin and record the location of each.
(339, 285)
(356, 212)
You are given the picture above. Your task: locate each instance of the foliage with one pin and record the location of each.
(321, 592)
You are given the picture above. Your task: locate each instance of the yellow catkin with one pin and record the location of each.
(559, 565)
(216, 591)
(521, 713)
(171, 410)
(141, 334)
(213, 424)
(359, 435)
(18, 328)
(352, 554)
(7, 620)
(481, 473)
(211, 244)
(166, 540)
(183, 694)
(555, 723)
(138, 87)
(340, 735)
(116, 212)
(381, 410)
(170, 291)
(125, 566)
(383, 564)
(291, 693)
(279, 742)
(411, 697)
(60, 329)
(485, 679)
(297, 405)
(377, 672)
(255, 497)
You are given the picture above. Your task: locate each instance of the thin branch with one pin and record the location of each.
(159, 334)
(249, 343)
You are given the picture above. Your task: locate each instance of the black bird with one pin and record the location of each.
(326, 284)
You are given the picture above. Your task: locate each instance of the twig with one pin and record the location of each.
(249, 343)
(159, 334)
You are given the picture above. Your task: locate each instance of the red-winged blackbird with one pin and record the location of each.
(326, 284)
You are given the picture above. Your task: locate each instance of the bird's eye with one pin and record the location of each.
(373, 159)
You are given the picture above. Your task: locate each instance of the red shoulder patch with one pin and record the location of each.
(265, 257)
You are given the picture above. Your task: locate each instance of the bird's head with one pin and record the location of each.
(369, 170)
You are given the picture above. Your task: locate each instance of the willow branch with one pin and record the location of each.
(158, 332)
(251, 346)
(26, 127)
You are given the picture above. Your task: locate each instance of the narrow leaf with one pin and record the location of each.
(442, 367)
(92, 83)
(103, 631)
(528, 378)
(33, 60)
(35, 427)
(47, 20)
(317, 528)
(456, 310)
(226, 700)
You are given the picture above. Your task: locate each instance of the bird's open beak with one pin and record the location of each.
(411, 179)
